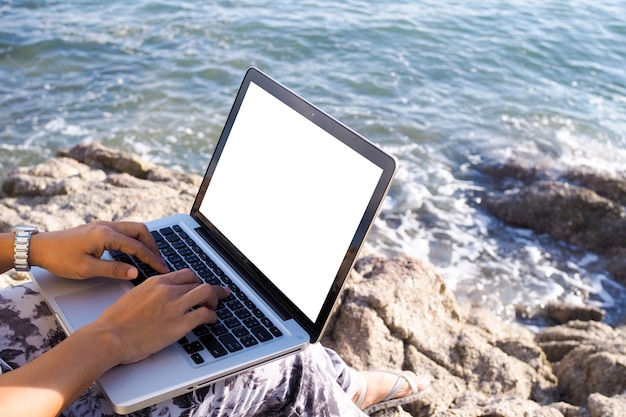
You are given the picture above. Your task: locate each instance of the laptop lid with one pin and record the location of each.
(289, 195)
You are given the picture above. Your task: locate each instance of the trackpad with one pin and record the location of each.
(84, 306)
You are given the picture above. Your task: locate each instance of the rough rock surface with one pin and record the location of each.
(91, 182)
(582, 207)
(394, 313)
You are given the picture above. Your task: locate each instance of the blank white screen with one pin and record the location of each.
(289, 196)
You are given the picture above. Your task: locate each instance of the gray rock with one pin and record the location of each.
(398, 312)
(581, 206)
(602, 406)
(65, 192)
(563, 313)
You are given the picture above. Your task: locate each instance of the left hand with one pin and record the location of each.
(155, 314)
(75, 253)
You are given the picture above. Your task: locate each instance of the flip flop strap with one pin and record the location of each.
(399, 382)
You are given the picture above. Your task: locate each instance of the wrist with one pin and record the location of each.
(100, 346)
(37, 250)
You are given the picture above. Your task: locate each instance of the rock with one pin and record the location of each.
(573, 214)
(398, 312)
(98, 156)
(558, 341)
(563, 313)
(582, 206)
(65, 192)
(602, 406)
(607, 185)
(474, 404)
(589, 369)
(569, 410)
(59, 176)
(588, 357)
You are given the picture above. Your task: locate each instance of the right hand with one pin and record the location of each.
(75, 253)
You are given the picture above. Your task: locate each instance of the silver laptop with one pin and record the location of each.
(286, 203)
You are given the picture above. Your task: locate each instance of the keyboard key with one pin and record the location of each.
(240, 332)
(201, 330)
(248, 341)
(197, 358)
(243, 313)
(219, 329)
(251, 322)
(232, 322)
(213, 346)
(230, 342)
(224, 313)
(261, 333)
(193, 347)
(234, 305)
(276, 331)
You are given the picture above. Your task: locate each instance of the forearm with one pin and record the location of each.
(7, 241)
(50, 383)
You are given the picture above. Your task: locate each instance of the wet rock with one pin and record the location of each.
(607, 185)
(582, 206)
(574, 214)
(563, 312)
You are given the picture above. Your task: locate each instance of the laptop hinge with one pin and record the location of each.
(247, 275)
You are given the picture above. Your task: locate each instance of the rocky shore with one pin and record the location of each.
(395, 312)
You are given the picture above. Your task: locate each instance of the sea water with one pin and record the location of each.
(442, 85)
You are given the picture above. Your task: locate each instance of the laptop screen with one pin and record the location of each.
(289, 196)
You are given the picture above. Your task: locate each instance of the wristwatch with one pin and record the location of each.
(22, 244)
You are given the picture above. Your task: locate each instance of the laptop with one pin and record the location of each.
(284, 207)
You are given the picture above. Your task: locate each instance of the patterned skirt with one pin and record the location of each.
(314, 382)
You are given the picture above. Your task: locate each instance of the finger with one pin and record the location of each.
(137, 231)
(111, 269)
(182, 276)
(207, 295)
(200, 316)
(134, 247)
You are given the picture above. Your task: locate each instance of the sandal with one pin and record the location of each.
(389, 401)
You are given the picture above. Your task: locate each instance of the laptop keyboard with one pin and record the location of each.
(240, 323)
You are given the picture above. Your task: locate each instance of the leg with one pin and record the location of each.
(27, 327)
(313, 382)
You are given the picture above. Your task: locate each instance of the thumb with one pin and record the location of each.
(114, 269)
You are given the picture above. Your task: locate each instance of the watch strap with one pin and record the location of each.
(21, 247)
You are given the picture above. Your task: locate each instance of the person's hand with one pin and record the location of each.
(76, 252)
(157, 313)
(143, 321)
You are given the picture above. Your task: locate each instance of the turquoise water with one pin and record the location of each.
(440, 84)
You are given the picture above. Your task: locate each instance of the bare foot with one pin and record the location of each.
(378, 385)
